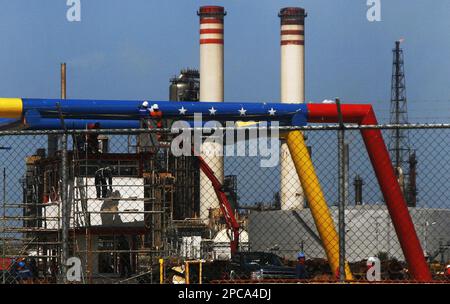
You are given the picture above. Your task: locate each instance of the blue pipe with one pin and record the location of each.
(9, 123)
(34, 121)
(79, 112)
(129, 110)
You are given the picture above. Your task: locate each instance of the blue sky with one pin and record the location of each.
(130, 49)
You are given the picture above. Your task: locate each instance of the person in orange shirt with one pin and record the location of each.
(156, 114)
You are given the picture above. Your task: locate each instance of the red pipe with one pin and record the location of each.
(381, 162)
(225, 205)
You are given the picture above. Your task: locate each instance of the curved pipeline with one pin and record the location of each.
(384, 171)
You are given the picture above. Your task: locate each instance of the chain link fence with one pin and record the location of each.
(131, 210)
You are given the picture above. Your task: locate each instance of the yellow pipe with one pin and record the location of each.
(11, 107)
(316, 200)
(161, 271)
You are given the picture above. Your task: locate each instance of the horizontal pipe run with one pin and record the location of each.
(79, 124)
(134, 110)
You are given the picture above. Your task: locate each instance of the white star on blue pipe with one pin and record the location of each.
(212, 111)
(182, 111)
(272, 112)
(242, 111)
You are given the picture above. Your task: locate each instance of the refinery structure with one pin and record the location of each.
(131, 212)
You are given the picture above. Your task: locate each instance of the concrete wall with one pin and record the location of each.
(369, 231)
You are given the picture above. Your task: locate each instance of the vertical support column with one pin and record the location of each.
(4, 227)
(212, 90)
(358, 183)
(292, 91)
(65, 216)
(186, 273)
(342, 158)
(161, 271)
(64, 208)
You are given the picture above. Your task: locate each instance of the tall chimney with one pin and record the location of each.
(211, 89)
(292, 91)
(412, 183)
(358, 183)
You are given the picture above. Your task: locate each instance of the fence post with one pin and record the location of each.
(343, 180)
(65, 216)
(4, 227)
(161, 271)
(65, 220)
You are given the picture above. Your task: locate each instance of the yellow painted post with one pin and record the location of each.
(161, 271)
(186, 272)
(316, 200)
(200, 268)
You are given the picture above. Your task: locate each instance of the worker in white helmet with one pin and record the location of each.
(154, 107)
(447, 271)
(300, 268)
(156, 116)
(143, 109)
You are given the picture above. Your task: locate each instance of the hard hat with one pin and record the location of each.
(145, 104)
(179, 269)
(448, 266)
(21, 264)
(300, 255)
(155, 106)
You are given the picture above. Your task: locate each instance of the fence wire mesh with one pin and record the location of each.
(138, 212)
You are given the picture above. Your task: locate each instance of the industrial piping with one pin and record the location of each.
(381, 162)
(316, 200)
(88, 109)
(296, 114)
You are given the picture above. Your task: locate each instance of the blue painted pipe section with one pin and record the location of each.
(133, 110)
(81, 124)
(73, 107)
(9, 123)
(34, 121)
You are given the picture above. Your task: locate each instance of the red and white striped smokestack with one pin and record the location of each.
(211, 52)
(292, 54)
(211, 89)
(292, 91)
